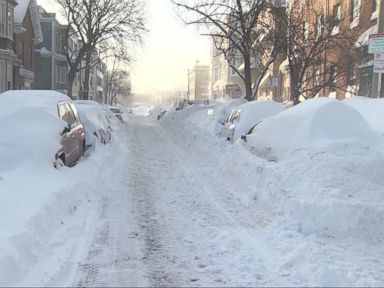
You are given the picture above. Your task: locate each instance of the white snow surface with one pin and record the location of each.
(371, 109)
(169, 203)
(313, 123)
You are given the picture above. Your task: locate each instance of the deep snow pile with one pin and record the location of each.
(371, 109)
(313, 123)
(44, 210)
(320, 208)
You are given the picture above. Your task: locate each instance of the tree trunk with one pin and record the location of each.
(295, 93)
(87, 72)
(247, 79)
(71, 79)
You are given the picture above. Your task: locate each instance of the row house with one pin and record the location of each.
(32, 56)
(52, 66)
(7, 54)
(358, 18)
(27, 34)
(198, 80)
(225, 83)
(97, 81)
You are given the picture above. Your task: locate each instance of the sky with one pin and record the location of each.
(170, 49)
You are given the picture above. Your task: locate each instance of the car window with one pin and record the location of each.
(75, 113)
(62, 111)
(70, 116)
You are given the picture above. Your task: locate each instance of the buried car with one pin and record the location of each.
(96, 122)
(245, 116)
(40, 126)
(117, 112)
(311, 124)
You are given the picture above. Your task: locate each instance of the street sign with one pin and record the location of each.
(378, 63)
(376, 43)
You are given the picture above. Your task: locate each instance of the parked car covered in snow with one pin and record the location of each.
(246, 116)
(95, 121)
(117, 112)
(40, 125)
(310, 124)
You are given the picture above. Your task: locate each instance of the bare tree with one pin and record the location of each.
(117, 82)
(235, 26)
(319, 50)
(100, 24)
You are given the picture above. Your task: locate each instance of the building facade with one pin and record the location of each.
(198, 81)
(7, 54)
(28, 33)
(225, 83)
(51, 63)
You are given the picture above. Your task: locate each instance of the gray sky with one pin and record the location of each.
(170, 49)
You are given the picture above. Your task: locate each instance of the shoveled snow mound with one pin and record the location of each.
(319, 214)
(313, 123)
(371, 109)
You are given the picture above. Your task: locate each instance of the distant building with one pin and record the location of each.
(198, 83)
(51, 64)
(97, 81)
(7, 55)
(225, 82)
(28, 33)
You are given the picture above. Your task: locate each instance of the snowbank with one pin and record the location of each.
(320, 211)
(371, 109)
(313, 123)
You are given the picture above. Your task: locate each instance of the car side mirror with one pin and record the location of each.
(244, 138)
(67, 129)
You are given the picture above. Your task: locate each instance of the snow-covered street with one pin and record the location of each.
(168, 203)
(166, 225)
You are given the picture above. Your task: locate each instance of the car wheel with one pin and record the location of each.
(83, 149)
(59, 162)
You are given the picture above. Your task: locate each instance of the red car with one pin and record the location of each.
(73, 136)
(40, 125)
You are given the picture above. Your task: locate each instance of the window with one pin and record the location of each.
(319, 25)
(305, 31)
(351, 74)
(355, 7)
(337, 13)
(63, 75)
(10, 22)
(20, 49)
(66, 113)
(3, 18)
(215, 73)
(2, 72)
(333, 78)
(374, 6)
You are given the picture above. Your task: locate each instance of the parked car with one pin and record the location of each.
(245, 116)
(311, 124)
(96, 122)
(117, 112)
(46, 120)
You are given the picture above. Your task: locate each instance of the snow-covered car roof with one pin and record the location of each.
(371, 109)
(93, 115)
(312, 123)
(12, 101)
(252, 113)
